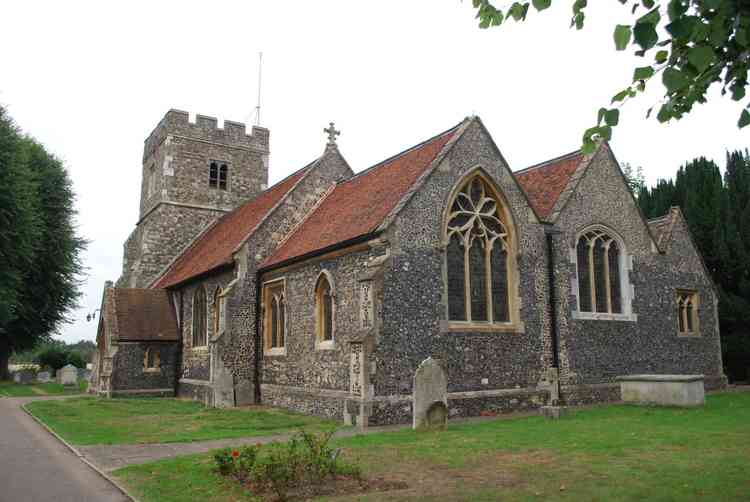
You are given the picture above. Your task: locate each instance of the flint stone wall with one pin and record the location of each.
(597, 351)
(129, 373)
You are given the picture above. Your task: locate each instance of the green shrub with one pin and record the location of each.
(306, 459)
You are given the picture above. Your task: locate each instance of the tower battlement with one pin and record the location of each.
(177, 123)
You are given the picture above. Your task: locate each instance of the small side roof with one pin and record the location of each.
(217, 244)
(357, 206)
(546, 181)
(661, 228)
(142, 315)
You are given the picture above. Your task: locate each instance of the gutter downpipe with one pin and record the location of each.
(550, 233)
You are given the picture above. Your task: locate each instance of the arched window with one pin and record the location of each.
(275, 316)
(199, 317)
(479, 263)
(687, 312)
(218, 311)
(151, 359)
(324, 309)
(599, 263)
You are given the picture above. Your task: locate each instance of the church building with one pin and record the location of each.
(324, 292)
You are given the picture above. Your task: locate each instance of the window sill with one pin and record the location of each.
(689, 335)
(480, 327)
(152, 370)
(601, 316)
(202, 348)
(276, 351)
(327, 345)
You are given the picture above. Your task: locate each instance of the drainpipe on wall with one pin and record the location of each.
(256, 335)
(550, 233)
(178, 355)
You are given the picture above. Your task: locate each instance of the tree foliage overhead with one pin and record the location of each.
(717, 210)
(39, 248)
(691, 45)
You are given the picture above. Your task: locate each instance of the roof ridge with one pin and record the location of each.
(550, 161)
(404, 152)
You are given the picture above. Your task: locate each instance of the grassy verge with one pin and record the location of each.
(606, 453)
(86, 421)
(12, 389)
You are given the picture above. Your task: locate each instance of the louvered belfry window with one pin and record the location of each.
(598, 259)
(477, 256)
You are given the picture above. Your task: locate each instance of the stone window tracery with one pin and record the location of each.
(687, 312)
(598, 257)
(275, 316)
(199, 317)
(324, 309)
(480, 266)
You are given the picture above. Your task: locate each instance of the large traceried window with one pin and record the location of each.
(324, 310)
(599, 263)
(480, 266)
(275, 316)
(199, 317)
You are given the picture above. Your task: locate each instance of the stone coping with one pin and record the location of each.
(660, 378)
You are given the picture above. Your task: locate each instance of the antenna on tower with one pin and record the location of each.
(260, 69)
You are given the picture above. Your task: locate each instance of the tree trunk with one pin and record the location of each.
(4, 357)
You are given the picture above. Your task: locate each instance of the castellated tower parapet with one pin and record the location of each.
(192, 173)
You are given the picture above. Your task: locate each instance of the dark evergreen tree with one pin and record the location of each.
(38, 243)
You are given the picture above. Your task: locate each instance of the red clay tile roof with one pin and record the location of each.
(143, 315)
(214, 248)
(357, 206)
(543, 183)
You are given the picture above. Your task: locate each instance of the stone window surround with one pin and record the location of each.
(204, 346)
(267, 349)
(695, 298)
(321, 344)
(219, 311)
(515, 325)
(627, 290)
(147, 368)
(219, 164)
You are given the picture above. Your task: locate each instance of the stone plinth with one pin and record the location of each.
(554, 412)
(666, 390)
(430, 398)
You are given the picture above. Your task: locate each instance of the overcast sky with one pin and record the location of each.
(90, 80)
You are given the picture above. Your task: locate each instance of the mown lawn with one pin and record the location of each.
(88, 421)
(12, 389)
(601, 454)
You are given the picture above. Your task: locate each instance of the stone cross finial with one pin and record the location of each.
(332, 133)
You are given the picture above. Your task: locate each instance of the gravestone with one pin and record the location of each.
(67, 375)
(23, 376)
(430, 396)
(17, 377)
(83, 374)
(44, 377)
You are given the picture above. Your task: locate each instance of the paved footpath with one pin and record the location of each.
(36, 467)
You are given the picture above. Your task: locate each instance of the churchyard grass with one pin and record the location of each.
(12, 389)
(616, 452)
(88, 421)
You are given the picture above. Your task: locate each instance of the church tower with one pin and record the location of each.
(193, 172)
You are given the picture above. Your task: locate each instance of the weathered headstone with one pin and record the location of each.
(43, 377)
(67, 375)
(23, 376)
(17, 377)
(430, 395)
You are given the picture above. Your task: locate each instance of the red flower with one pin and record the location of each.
(235, 453)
